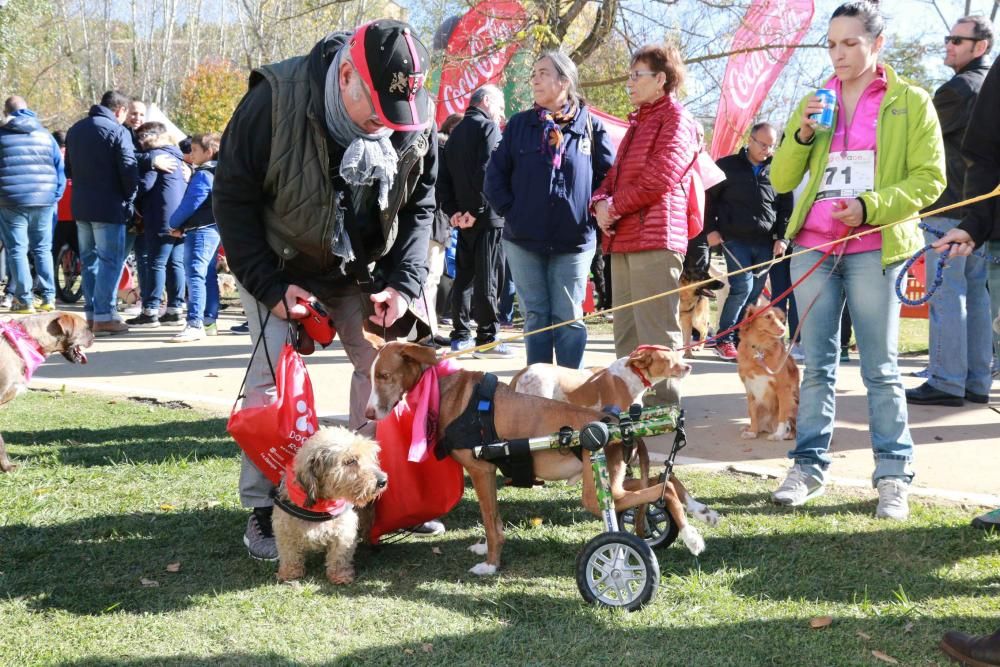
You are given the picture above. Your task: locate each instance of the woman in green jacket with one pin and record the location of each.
(881, 162)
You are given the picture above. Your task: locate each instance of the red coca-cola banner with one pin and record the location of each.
(752, 70)
(479, 49)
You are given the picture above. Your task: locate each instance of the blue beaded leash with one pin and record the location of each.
(938, 270)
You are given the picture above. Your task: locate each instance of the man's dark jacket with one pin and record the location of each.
(981, 150)
(745, 206)
(31, 166)
(105, 175)
(460, 176)
(953, 102)
(265, 255)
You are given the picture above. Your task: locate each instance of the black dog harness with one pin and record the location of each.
(476, 426)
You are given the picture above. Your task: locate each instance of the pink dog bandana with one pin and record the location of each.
(425, 400)
(26, 347)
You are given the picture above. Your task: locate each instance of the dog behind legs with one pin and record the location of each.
(334, 478)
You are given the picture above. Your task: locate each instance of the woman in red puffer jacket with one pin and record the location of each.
(642, 207)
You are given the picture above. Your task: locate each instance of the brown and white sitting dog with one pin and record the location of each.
(46, 334)
(621, 384)
(695, 311)
(769, 374)
(398, 367)
(334, 477)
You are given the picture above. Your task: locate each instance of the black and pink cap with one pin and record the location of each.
(393, 62)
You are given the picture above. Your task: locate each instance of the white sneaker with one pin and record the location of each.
(798, 488)
(892, 500)
(188, 335)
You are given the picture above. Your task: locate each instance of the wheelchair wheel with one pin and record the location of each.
(661, 529)
(617, 570)
(69, 279)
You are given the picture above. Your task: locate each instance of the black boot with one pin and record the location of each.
(971, 650)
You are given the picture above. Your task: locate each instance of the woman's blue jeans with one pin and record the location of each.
(200, 251)
(550, 289)
(165, 254)
(28, 230)
(871, 296)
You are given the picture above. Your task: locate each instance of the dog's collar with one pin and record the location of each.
(26, 347)
(296, 505)
(642, 377)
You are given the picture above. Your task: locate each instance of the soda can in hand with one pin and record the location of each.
(824, 119)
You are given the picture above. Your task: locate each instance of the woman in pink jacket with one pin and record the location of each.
(642, 207)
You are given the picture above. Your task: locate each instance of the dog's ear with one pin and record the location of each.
(374, 339)
(64, 325)
(640, 358)
(421, 354)
(309, 473)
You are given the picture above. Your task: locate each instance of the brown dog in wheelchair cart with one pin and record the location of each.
(397, 369)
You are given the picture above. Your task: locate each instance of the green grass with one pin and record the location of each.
(109, 493)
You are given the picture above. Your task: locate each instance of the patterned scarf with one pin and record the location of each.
(553, 123)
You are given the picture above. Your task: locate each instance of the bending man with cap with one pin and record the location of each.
(327, 166)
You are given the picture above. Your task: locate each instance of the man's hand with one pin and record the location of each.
(714, 239)
(963, 243)
(848, 212)
(176, 233)
(389, 307)
(780, 246)
(463, 220)
(165, 163)
(296, 311)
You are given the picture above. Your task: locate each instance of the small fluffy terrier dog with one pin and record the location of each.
(336, 473)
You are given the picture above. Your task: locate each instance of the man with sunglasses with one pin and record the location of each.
(960, 345)
(746, 217)
(327, 168)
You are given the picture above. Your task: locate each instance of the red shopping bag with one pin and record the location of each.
(271, 434)
(417, 492)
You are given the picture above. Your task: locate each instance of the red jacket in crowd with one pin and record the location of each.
(647, 181)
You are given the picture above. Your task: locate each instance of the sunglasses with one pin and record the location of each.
(958, 39)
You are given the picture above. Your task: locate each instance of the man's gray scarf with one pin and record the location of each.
(367, 158)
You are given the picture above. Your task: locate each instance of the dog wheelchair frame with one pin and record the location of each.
(618, 567)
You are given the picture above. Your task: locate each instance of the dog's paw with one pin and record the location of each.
(290, 572)
(341, 576)
(479, 548)
(747, 434)
(692, 539)
(484, 570)
(780, 433)
(711, 517)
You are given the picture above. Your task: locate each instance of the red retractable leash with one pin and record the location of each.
(774, 300)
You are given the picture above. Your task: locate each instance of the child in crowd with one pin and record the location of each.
(193, 220)
(158, 197)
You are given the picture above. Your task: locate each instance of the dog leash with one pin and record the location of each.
(938, 269)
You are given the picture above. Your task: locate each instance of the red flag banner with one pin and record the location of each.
(752, 70)
(613, 125)
(479, 49)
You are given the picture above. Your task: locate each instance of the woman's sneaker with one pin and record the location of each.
(172, 318)
(18, 307)
(893, 500)
(212, 329)
(188, 335)
(240, 328)
(798, 488)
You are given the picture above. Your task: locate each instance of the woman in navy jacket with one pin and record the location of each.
(540, 179)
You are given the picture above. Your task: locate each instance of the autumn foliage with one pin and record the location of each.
(208, 97)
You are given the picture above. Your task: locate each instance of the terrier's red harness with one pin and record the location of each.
(297, 505)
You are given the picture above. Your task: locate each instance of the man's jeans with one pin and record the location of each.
(201, 247)
(102, 253)
(871, 296)
(28, 230)
(744, 288)
(550, 289)
(961, 349)
(348, 318)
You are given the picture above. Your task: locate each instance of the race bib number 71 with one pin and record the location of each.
(847, 175)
